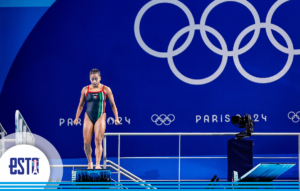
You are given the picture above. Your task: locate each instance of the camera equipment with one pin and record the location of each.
(243, 122)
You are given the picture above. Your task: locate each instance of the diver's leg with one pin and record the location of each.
(88, 127)
(100, 127)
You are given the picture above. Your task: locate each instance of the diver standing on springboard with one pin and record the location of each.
(95, 117)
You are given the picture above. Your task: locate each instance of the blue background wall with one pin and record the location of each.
(61, 44)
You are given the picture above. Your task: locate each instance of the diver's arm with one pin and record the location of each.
(80, 106)
(112, 104)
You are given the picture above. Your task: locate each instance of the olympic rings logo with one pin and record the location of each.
(294, 117)
(163, 119)
(224, 52)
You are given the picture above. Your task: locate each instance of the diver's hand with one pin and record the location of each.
(117, 122)
(75, 121)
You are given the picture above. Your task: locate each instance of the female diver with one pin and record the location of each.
(95, 117)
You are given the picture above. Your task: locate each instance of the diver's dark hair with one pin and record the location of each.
(95, 71)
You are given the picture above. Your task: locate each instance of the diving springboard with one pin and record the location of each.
(91, 175)
(264, 172)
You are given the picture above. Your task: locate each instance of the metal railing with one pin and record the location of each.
(113, 166)
(2, 140)
(23, 133)
(180, 157)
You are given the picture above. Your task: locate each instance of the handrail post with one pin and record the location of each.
(104, 151)
(119, 143)
(179, 160)
(299, 157)
(2, 144)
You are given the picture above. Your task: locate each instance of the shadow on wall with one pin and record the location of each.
(150, 175)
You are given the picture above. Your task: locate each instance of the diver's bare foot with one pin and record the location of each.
(90, 165)
(98, 167)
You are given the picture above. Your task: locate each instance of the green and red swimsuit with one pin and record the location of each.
(96, 102)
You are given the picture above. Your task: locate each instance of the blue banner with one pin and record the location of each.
(173, 66)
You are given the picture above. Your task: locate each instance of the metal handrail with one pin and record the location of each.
(137, 179)
(2, 129)
(202, 180)
(203, 157)
(17, 114)
(189, 134)
(132, 179)
(2, 139)
(131, 174)
(199, 134)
